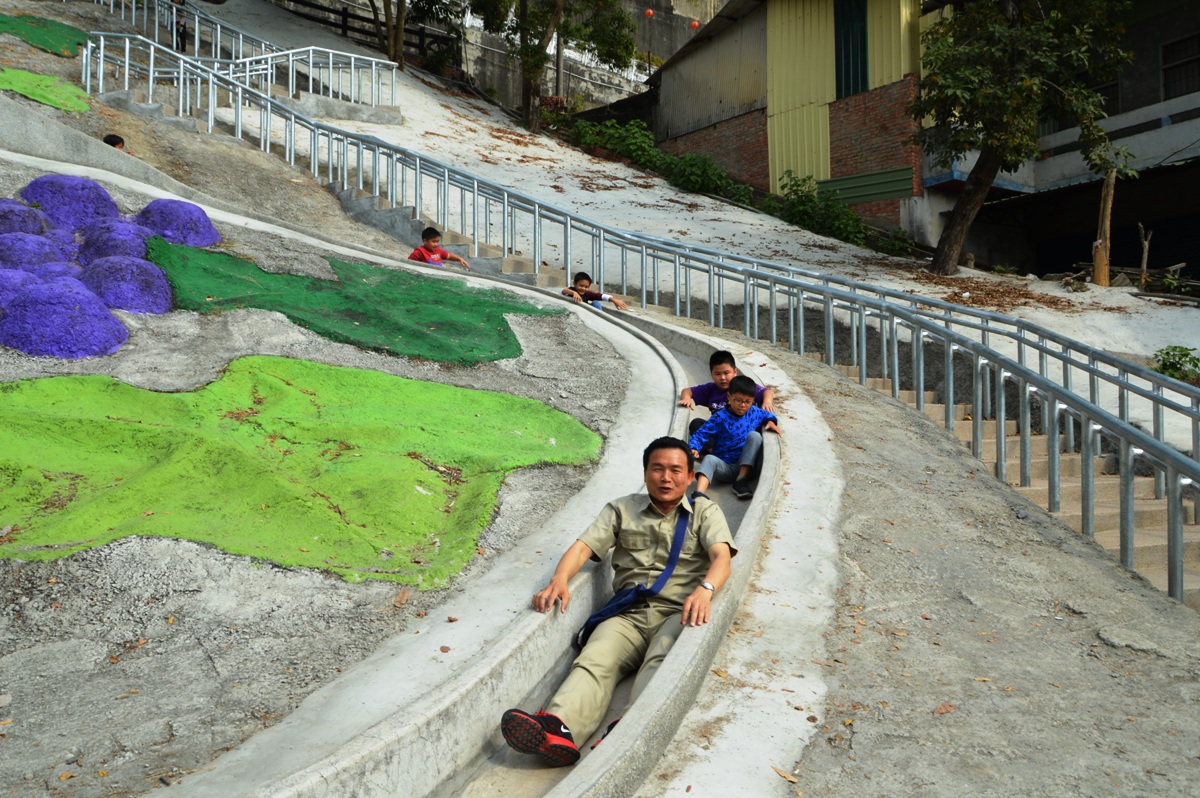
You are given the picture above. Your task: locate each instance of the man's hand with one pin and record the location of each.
(695, 454)
(696, 607)
(544, 599)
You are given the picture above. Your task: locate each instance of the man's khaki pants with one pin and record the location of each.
(637, 639)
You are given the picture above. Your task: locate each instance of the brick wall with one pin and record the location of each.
(738, 145)
(870, 132)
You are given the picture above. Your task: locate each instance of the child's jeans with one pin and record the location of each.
(717, 470)
(597, 304)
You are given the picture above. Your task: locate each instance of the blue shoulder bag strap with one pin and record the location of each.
(630, 595)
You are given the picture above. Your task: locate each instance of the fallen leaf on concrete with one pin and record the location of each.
(445, 649)
(943, 709)
(420, 613)
(451, 619)
(784, 774)
(401, 598)
(982, 679)
(66, 776)
(720, 673)
(5, 722)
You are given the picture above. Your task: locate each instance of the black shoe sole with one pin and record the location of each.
(525, 734)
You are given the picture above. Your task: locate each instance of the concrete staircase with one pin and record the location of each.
(1150, 514)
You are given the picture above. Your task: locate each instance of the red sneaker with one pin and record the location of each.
(541, 734)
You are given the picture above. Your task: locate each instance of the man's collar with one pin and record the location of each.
(684, 503)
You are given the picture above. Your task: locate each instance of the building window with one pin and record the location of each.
(850, 34)
(1181, 67)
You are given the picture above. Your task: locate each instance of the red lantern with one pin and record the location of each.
(649, 13)
(695, 24)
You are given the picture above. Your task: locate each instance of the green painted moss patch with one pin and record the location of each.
(381, 309)
(45, 89)
(302, 464)
(45, 34)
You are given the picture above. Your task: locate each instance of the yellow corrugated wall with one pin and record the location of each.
(800, 86)
(893, 40)
(801, 81)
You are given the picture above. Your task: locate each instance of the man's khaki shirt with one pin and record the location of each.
(640, 537)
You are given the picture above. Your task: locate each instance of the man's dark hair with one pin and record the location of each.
(430, 232)
(113, 140)
(743, 385)
(667, 442)
(721, 358)
(581, 276)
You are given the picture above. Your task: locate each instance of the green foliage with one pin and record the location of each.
(821, 212)
(994, 70)
(698, 173)
(1003, 268)
(1173, 283)
(740, 193)
(634, 141)
(606, 31)
(898, 243)
(1179, 363)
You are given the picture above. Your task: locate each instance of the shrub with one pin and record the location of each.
(18, 250)
(697, 173)
(16, 217)
(61, 318)
(70, 202)
(131, 284)
(11, 283)
(66, 241)
(1179, 363)
(822, 212)
(52, 270)
(898, 243)
(179, 222)
(113, 237)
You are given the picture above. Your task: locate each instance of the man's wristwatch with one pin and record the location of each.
(708, 586)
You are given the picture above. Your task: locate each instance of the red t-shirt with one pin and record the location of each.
(434, 258)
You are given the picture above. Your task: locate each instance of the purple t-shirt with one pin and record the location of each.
(710, 396)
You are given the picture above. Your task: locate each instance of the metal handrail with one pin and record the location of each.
(328, 72)
(489, 212)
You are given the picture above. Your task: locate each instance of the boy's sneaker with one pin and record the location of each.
(607, 732)
(541, 734)
(742, 489)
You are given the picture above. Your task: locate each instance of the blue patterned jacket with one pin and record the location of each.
(728, 432)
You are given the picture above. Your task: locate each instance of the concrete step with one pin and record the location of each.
(1191, 582)
(1107, 489)
(1150, 546)
(963, 428)
(1148, 514)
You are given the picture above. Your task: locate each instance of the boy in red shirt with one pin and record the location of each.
(431, 251)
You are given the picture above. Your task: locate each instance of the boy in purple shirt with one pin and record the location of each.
(714, 395)
(736, 442)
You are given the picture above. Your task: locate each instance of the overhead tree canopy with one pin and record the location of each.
(993, 71)
(604, 29)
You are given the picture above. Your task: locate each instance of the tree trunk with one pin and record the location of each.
(1103, 245)
(396, 45)
(950, 244)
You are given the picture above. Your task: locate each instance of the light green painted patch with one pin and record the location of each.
(45, 34)
(44, 89)
(353, 471)
(390, 311)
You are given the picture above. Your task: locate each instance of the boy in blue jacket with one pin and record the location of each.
(736, 442)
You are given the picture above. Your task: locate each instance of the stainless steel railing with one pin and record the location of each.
(1044, 367)
(257, 62)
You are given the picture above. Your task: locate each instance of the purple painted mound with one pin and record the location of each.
(16, 217)
(179, 222)
(70, 202)
(113, 237)
(18, 250)
(52, 270)
(66, 241)
(12, 282)
(129, 284)
(60, 319)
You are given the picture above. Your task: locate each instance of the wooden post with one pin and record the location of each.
(1145, 251)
